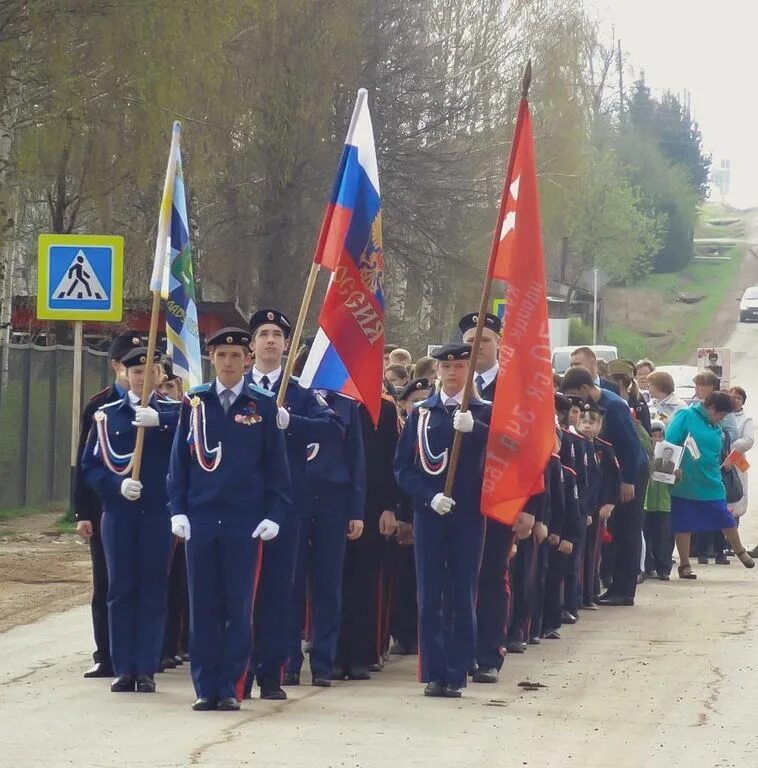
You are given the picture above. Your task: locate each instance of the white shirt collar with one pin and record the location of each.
(273, 376)
(447, 399)
(489, 375)
(236, 389)
(134, 399)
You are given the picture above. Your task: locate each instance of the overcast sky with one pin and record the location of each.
(710, 49)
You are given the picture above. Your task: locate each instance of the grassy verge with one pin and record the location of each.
(15, 513)
(64, 525)
(646, 320)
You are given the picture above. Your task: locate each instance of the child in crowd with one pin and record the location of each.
(658, 536)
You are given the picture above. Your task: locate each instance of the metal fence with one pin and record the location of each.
(35, 421)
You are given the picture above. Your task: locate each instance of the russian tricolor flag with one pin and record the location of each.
(348, 352)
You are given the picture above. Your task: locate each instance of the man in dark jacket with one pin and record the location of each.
(584, 357)
(88, 507)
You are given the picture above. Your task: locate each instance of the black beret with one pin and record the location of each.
(229, 337)
(562, 403)
(414, 386)
(273, 317)
(454, 351)
(576, 401)
(467, 322)
(123, 343)
(138, 356)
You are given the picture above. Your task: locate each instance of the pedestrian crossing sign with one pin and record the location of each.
(80, 277)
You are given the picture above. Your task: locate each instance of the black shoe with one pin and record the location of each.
(229, 704)
(664, 577)
(568, 618)
(99, 670)
(616, 600)
(649, 574)
(338, 673)
(484, 675)
(552, 634)
(358, 673)
(169, 663)
(752, 552)
(178, 660)
(184, 656)
(702, 561)
(322, 682)
(452, 692)
(604, 596)
(435, 689)
(723, 560)
(376, 667)
(589, 606)
(204, 705)
(123, 684)
(515, 646)
(291, 678)
(536, 640)
(273, 693)
(145, 684)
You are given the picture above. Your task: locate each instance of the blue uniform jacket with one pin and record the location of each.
(341, 461)
(619, 431)
(436, 442)
(250, 482)
(116, 418)
(311, 421)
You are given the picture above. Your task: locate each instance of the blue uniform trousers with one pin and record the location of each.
(221, 571)
(137, 546)
(320, 558)
(448, 552)
(272, 618)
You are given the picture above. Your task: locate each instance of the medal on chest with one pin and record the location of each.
(431, 463)
(207, 458)
(118, 463)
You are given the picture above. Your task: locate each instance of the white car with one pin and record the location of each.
(562, 355)
(683, 375)
(749, 305)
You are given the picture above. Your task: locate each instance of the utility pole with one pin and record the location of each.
(620, 64)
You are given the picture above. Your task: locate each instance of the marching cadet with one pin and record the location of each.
(88, 508)
(135, 527)
(494, 592)
(305, 419)
(448, 530)
(228, 487)
(336, 479)
(360, 645)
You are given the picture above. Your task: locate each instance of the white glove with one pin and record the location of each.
(131, 489)
(463, 421)
(180, 526)
(146, 417)
(442, 504)
(282, 420)
(267, 530)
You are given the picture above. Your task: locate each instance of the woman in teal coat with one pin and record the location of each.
(698, 501)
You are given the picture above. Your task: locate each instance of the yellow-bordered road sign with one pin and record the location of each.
(80, 277)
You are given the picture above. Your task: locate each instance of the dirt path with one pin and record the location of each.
(41, 570)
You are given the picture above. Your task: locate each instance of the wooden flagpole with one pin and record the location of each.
(164, 225)
(468, 388)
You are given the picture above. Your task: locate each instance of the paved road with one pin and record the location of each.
(672, 682)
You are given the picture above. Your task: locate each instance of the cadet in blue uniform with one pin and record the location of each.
(305, 418)
(336, 478)
(88, 507)
(228, 485)
(448, 531)
(136, 529)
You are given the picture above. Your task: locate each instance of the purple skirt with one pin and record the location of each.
(690, 516)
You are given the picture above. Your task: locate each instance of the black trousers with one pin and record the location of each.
(591, 584)
(710, 543)
(403, 607)
(556, 572)
(627, 535)
(537, 597)
(522, 585)
(102, 654)
(360, 637)
(177, 616)
(659, 542)
(493, 600)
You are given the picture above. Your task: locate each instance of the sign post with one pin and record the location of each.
(79, 278)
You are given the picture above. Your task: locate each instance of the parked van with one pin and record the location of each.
(562, 355)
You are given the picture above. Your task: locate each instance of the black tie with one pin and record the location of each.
(265, 383)
(479, 381)
(451, 406)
